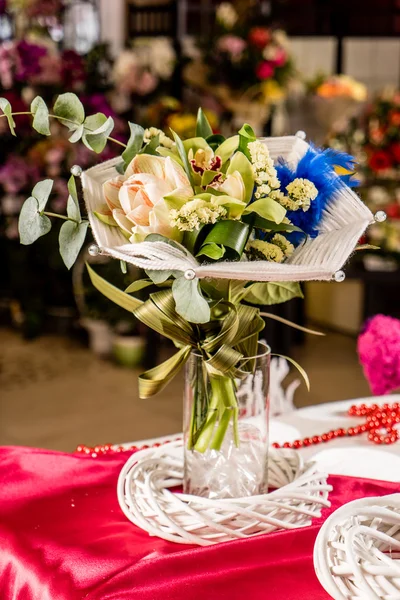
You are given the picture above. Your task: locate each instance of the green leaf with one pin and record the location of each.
(266, 294)
(32, 225)
(106, 219)
(151, 147)
(189, 302)
(183, 156)
(298, 367)
(233, 235)
(213, 251)
(171, 152)
(203, 127)
(140, 284)
(123, 266)
(42, 191)
(259, 223)
(113, 293)
(97, 128)
(227, 148)
(135, 143)
(268, 209)
(71, 239)
(242, 164)
(5, 106)
(215, 140)
(41, 116)
(69, 109)
(246, 135)
(177, 198)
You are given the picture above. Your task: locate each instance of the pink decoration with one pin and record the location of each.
(232, 44)
(265, 70)
(279, 58)
(379, 352)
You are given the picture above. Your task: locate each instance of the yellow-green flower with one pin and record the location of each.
(260, 250)
(301, 193)
(283, 243)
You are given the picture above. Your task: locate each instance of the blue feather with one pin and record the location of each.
(319, 167)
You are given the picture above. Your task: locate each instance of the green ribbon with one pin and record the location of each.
(230, 337)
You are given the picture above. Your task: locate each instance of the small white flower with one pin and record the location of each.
(153, 132)
(264, 171)
(195, 213)
(260, 250)
(283, 243)
(301, 193)
(227, 15)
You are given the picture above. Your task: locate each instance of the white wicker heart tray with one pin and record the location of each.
(357, 551)
(145, 498)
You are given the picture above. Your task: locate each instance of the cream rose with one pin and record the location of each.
(136, 200)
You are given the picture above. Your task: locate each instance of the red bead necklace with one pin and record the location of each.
(380, 424)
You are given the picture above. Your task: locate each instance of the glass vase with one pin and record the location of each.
(226, 428)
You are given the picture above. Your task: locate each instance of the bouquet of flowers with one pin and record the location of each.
(245, 64)
(220, 226)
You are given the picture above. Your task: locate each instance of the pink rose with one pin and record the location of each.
(280, 58)
(265, 70)
(231, 44)
(136, 200)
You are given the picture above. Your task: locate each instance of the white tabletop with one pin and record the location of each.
(356, 455)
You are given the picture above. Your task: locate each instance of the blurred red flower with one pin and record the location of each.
(380, 161)
(395, 150)
(259, 37)
(265, 70)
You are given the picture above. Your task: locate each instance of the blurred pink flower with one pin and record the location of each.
(280, 57)
(16, 174)
(379, 353)
(265, 70)
(50, 71)
(8, 58)
(232, 44)
(146, 84)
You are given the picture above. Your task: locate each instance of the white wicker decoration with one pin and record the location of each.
(344, 221)
(357, 551)
(145, 498)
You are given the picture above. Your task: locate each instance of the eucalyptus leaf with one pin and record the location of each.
(41, 192)
(135, 143)
(97, 129)
(77, 134)
(266, 294)
(69, 109)
(158, 277)
(73, 211)
(203, 127)
(41, 122)
(212, 250)
(32, 225)
(5, 106)
(189, 302)
(268, 209)
(183, 156)
(71, 239)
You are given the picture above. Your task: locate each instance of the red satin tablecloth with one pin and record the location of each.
(64, 537)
